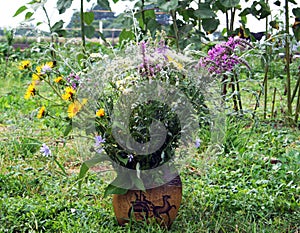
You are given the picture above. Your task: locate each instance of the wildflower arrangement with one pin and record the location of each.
(144, 102)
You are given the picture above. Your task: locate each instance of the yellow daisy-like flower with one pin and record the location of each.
(74, 108)
(38, 70)
(24, 65)
(30, 91)
(58, 79)
(41, 112)
(35, 77)
(51, 64)
(100, 112)
(69, 93)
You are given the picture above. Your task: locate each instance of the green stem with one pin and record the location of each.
(53, 54)
(296, 88)
(266, 73)
(53, 88)
(227, 23)
(232, 16)
(235, 103)
(266, 88)
(273, 102)
(297, 106)
(143, 16)
(287, 57)
(239, 93)
(173, 15)
(82, 26)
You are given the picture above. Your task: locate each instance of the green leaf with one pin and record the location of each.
(210, 25)
(80, 57)
(204, 12)
(296, 12)
(28, 15)
(230, 3)
(104, 4)
(89, 31)
(167, 6)
(68, 129)
(292, 1)
(245, 12)
(88, 17)
(277, 3)
(126, 35)
(296, 31)
(20, 10)
(138, 183)
(63, 5)
(57, 26)
(86, 165)
(61, 33)
(111, 189)
(274, 24)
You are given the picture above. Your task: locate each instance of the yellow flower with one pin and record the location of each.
(38, 70)
(69, 93)
(35, 77)
(24, 65)
(74, 108)
(41, 112)
(58, 79)
(100, 112)
(30, 91)
(51, 64)
(177, 64)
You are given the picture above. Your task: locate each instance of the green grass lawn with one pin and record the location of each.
(250, 185)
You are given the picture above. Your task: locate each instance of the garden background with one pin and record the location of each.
(250, 184)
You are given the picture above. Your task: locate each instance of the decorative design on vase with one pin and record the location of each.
(144, 208)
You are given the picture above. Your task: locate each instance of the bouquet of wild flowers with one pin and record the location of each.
(144, 102)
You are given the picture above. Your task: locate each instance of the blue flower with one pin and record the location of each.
(197, 143)
(99, 140)
(45, 150)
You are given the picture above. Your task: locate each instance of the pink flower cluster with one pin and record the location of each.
(221, 57)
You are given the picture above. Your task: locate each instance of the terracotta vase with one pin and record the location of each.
(161, 203)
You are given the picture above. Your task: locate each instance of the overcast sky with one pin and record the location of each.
(9, 7)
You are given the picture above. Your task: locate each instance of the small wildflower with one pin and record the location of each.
(58, 79)
(43, 69)
(41, 112)
(100, 112)
(24, 65)
(177, 64)
(197, 143)
(45, 150)
(46, 68)
(99, 140)
(69, 93)
(35, 77)
(30, 91)
(74, 108)
(98, 143)
(38, 70)
(51, 64)
(130, 158)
